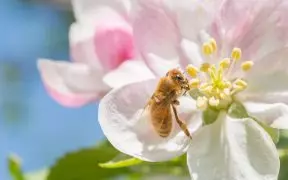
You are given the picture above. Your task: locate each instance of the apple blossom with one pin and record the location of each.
(102, 49)
(235, 53)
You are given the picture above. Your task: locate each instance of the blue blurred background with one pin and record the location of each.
(32, 125)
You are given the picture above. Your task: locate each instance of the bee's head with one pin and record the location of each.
(177, 77)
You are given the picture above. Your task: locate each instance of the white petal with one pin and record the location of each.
(71, 84)
(128, 72)
(160, 66)
(267, 80)
(83, 9)
(233, 149)
(275, 115)
(155, 34)
(192, 16)
(192, 52)
(81, 39)
(129, 129)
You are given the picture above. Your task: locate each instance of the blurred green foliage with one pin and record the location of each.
(85, 165)
(14, 166)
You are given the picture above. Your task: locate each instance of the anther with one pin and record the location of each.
(205, 67)
(213, 44)
(228, 84)
(225, 63)
(227, 91)
(202, 103)
(207, 49)
(206, 89)
(192, 70)
(194, 83)
(214, 101)
(241, 83)
(236, 54)
(247, 65)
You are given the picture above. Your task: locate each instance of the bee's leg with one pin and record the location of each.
(158, 97)
(175, 102)
(182, 125)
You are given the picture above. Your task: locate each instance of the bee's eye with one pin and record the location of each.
(180, 78)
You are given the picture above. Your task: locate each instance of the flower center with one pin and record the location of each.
(213, 81)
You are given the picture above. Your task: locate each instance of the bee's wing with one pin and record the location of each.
(155, 99)
(161, 118)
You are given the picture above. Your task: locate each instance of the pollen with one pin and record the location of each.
(247, 65)
(236, 54)
(241, 83)
(192, 70)
(213, 44)
(225, 63)
(194, 83)
(207, 49)
(205, 67)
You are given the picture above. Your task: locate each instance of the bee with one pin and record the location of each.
(164, 99)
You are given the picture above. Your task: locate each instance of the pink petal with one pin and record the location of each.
(71, 84)
(72, 100)
(251, 25)
(113, 42)
(104, 40)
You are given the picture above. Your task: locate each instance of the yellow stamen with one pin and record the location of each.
(204, 85)
(213, 73)
(236, 54)
(205, 67)
(206, 89)
(228, 84)
(241, 83)
(227, 91)
(202, 103)
(213, 101)
(207, 49)
(194, 83)
(225, 63)
(247, 65)
(192, 70)
(213, 44)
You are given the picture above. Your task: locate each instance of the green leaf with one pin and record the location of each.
(120, 164)
(83, 165)
(14, 166)
(37, 175)
(283, 141)
(283, 175)
(210, 115)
